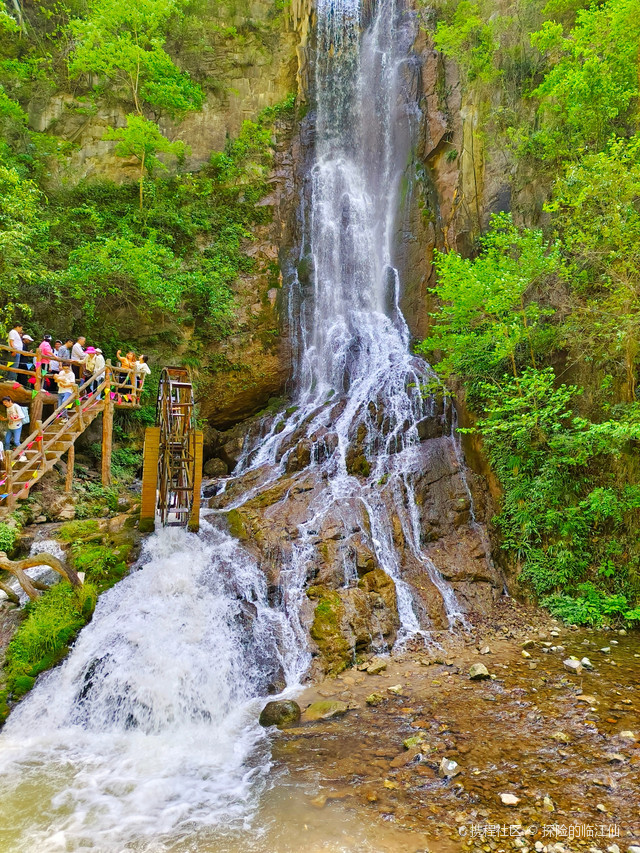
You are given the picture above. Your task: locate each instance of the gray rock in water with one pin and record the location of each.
(478, 671)
(281, 713)
(573, 665)
(586, 663)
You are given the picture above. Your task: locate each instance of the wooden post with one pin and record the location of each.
(149, 479)
(107, 439)
(78, 402)
(11, 500)
(71, 459)
(36, 407)
(194, 520)
(40, 443)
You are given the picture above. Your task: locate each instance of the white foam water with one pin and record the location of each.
(150, 726)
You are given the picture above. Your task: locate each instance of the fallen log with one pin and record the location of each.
(31, 587)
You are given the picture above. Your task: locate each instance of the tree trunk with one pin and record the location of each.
(17, 569)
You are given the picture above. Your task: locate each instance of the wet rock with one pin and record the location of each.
(561, 737)
(573, 665)
(364, 558)
(509, 799)
(396, 689)
(528, 644)
(375, 699)
(413, 741)
(448, 768)
(478, 672)
(215, 468)
(485, 650)
(525, 654)
(405, 757)
(376, 666)
(633, 849)
(590, 700)
(325, 710)
(547, 804)
(299, 457)
(283, 714)
(586, 663)
(627, 735)
(326, 629)
(605, 650)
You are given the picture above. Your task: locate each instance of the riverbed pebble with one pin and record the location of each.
(478, 672)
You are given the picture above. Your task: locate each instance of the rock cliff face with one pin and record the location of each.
(285, 515)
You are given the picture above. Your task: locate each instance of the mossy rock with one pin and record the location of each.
(326, 709)
(237, 525)
(282, 713)
(326, 630)
(74, 531)
(358, 465)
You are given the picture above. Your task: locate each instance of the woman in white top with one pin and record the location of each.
(14, 340)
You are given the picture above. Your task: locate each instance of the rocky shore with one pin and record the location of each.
(448, 741)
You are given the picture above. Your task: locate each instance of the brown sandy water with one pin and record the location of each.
(534, 730)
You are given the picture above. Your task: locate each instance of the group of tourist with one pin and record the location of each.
(65, 366)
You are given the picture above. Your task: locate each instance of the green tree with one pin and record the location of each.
(142, 139)
(21, 234)
(596, 205)
(487, 315)
(591, 89)
(123, 42)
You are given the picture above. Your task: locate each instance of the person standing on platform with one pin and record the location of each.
(27, 362)
(15, 416)
(14, 341)
(79, 357)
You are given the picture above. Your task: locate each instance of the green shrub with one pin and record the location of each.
(51, 624)
(591, 607)
(8, 537)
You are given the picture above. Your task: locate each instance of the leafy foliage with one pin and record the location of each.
(8, 537)
(592, 84)
(485, 318)
(123, 43)
(567, 518)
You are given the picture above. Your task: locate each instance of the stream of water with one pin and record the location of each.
(146, 737)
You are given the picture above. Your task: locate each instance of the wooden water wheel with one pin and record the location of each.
(177, 450)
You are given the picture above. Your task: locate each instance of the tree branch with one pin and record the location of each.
(17, 569)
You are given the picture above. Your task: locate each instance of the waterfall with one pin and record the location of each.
(147, 733)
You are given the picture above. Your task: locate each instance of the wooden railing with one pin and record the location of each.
(112, 387)
(123, 378)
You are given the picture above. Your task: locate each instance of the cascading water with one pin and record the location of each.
(147, 736)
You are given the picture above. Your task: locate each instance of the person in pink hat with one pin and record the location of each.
(89, 366)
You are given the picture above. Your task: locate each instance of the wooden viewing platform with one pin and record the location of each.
(114, 388)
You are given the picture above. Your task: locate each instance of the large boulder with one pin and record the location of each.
(282, 713)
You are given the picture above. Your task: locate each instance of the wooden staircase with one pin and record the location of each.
(50, 440)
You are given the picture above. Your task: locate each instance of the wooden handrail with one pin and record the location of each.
(53, 357)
